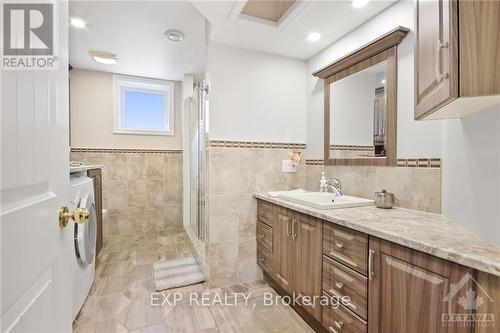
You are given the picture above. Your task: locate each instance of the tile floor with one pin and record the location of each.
(120, 298)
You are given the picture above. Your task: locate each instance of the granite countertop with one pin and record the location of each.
(85, 167)
(430, 233)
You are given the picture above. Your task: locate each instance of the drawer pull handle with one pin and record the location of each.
(261, 259)
(331, 329)
(351, 305)
(339, 245)
(339, 324)
(371, 273)
(339, 285)
(261, 235)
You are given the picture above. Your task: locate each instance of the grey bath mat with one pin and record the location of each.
(176, 273)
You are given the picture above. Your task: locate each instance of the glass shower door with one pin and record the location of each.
(198, 112)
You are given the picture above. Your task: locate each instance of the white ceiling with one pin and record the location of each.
(333, 19)
(134, 30)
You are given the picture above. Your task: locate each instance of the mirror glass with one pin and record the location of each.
(358, 114)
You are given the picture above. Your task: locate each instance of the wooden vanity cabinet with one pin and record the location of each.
(296, 252)
(298, 256)
(457, 47)
(266, 236)
(391, 288)
(407, 290)
(284, 250)
(307, 234)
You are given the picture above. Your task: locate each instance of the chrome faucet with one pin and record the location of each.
(335, 186)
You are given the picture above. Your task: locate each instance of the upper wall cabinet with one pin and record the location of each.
(457, 57)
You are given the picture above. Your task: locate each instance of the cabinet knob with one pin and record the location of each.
(339, 285)
(261, 259)
(261, 235)
(339, 324)
(339, 245)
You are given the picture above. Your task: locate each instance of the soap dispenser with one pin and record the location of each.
(323, 183)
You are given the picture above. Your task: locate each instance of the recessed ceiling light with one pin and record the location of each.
(314, 36)
(174, 35)
(78, 23)
(104, 57)
(359, 3)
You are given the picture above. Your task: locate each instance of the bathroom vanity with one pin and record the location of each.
(398, 270)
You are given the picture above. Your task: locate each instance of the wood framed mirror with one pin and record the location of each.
(360, 111)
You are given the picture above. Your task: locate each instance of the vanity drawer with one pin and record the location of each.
(346, 245)
(265, 259)
(338, 280)
(340, 320)
(265, 236)
(265, 212)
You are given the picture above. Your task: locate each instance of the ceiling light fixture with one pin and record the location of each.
(104, 57)
(174, 35)
(78, 23)
(314, 36)
(359, 3)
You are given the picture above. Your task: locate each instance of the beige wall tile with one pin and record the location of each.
(156, 195)
(247, 219)
(413, 188)
(137, 193)
(222, 264)
(116, 165)
(136, 166)
(248, 270)
(173, 215)
(119, 197)
(224, 216)
(173, 190)
(155, 166)
(232, 170)
(146, 187)
(235, 174)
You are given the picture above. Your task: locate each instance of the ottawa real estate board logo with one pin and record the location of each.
(28, 36)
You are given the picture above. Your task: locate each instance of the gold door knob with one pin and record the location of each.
(79, 215)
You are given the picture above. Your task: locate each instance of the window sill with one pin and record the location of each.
(145, 132)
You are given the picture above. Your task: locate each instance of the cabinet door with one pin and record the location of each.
(284, 250)
(307, 233)
(413, 292)
(436, 55)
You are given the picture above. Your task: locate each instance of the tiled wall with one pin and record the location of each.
(413, 187)
(142, 189)
(236, 171)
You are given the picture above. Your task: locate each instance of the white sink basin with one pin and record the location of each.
(323, 200)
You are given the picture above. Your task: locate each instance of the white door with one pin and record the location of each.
(36, 253)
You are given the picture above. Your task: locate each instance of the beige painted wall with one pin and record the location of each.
(91, 114)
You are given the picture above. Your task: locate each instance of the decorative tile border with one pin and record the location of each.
(315, 162)
(352, 147)
(401, 162)
(419, 162)
(124, 151)
(250, 144)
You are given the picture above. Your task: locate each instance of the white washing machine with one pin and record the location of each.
(84, 237)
